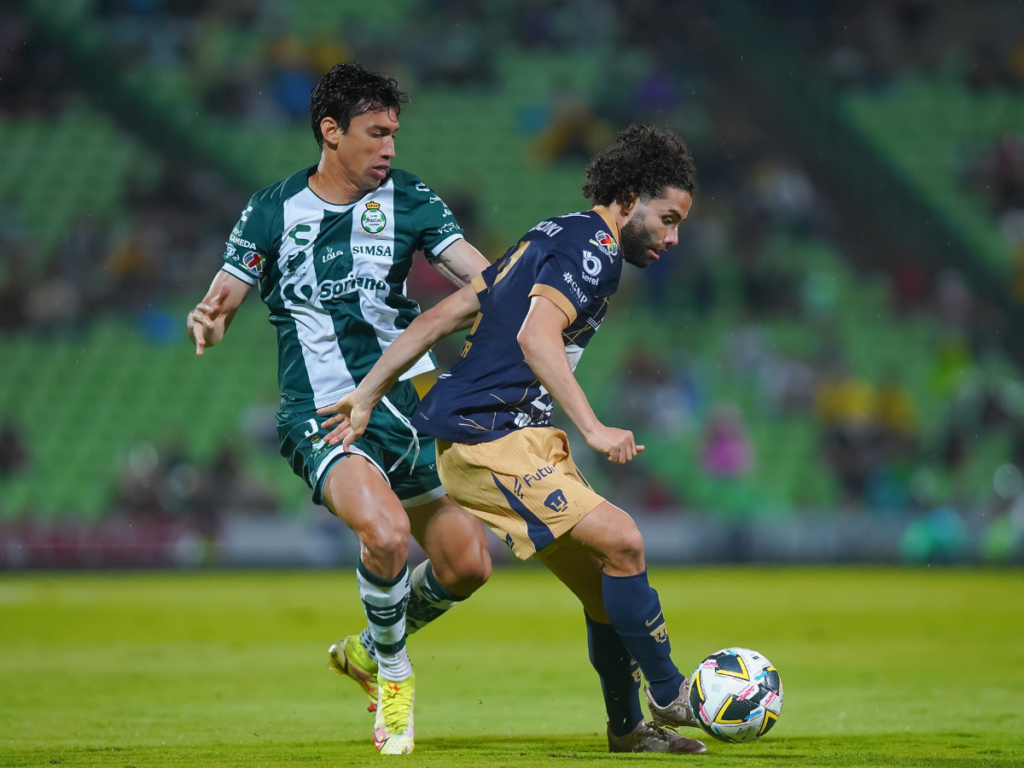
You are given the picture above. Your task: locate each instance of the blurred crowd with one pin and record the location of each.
(159, 249)
(875, 46)
(169, 508)
(872, 44)
(167, 483)
(242, 60)
(173, 223)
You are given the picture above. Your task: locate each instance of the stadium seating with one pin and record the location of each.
(55, 171)
(85, 402)
(926, 127)
(491, 153)
(130, 388)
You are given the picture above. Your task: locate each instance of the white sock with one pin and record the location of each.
(385, 602)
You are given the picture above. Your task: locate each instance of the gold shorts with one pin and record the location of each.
(524, 485)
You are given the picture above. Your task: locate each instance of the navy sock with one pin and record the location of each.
(620, 677)
(635, 611)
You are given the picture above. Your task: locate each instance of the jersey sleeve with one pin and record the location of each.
(569, 278)
(483, 282)
(432, 220)
(248, 250)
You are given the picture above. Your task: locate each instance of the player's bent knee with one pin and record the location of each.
(475, 570)
(626, 556)
(386, 539)
(466, 574)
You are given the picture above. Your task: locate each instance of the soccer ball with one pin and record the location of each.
(736, 695)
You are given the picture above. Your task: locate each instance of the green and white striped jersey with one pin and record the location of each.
(333, 276)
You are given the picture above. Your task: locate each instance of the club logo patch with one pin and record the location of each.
(253, 262)
(606, 243)
(556, 501)
(373, 221)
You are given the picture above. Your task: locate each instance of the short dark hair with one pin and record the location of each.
(644, 160)
(348, 91)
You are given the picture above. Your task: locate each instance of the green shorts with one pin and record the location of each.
(406, 460)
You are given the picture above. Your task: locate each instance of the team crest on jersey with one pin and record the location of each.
(373, 220)
(254, 263)
(606, 243)
(297, 265)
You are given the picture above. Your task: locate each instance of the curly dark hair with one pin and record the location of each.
(644, 160)
(348, 91)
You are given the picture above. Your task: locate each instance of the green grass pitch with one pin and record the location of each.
(881, 666)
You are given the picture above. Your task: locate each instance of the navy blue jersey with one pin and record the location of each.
(574, 261)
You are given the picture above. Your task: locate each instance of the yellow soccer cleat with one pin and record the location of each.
(392, 729)
(349, 657)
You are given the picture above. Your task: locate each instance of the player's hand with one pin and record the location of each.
(617, 444)
(205, 323)
(351, 416)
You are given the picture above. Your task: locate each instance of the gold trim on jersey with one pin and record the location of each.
(557, 298)
(609, 219)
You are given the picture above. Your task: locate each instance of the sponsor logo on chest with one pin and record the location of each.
(372, 250)
(333, 290)
(591, 267)
(331, 254)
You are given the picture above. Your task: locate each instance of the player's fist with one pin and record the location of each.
(350, 419)
(617, 444)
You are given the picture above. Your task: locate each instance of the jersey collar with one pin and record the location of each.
(609, 219)
(343, 207)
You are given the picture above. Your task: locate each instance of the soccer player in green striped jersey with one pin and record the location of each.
(329, 250)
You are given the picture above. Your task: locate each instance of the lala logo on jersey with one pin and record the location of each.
(253, 262)
(330, 254)
(606, 243)
(373, 220)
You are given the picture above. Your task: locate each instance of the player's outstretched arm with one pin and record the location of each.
(209, 321)
(460, 262)
(352, 412)
(541, 340)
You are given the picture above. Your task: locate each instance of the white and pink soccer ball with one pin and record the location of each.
(736, 695)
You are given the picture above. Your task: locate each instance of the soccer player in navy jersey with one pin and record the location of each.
(530, 316)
